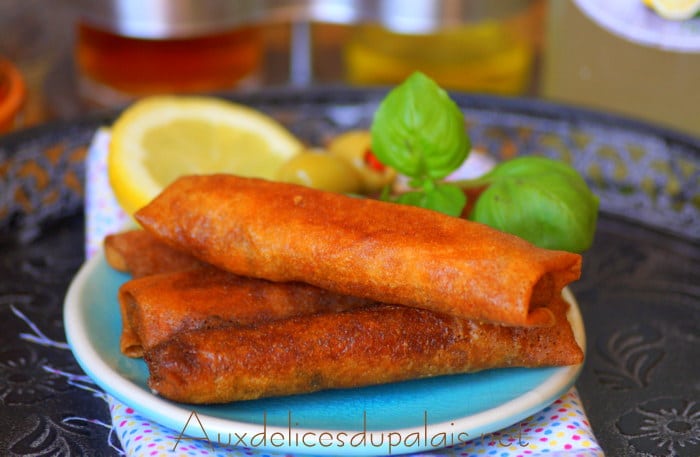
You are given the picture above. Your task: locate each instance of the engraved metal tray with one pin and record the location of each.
(639, 292)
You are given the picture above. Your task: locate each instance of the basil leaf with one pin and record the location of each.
(541, 200)
(444, 198)
(447, 199)
(415, 198)
(419, 131)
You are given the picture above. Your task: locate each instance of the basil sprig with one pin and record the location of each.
(419, 131)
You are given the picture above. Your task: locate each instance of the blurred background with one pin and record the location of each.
(65, 58)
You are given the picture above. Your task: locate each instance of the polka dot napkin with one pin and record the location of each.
(560, 429)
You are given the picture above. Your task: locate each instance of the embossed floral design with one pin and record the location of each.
(663, 427)
(23, 378)
(50, 437)
(629, 357)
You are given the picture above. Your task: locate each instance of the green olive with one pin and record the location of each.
(353, 146)
(320, 170)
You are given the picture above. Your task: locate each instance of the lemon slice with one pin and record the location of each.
(160, 138)
(677, 10)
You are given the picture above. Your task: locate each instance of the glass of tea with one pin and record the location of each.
(130, 48)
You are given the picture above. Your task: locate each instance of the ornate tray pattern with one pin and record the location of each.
(639, 294)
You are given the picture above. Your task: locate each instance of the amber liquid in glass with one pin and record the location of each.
(489, 55)
(135, 67)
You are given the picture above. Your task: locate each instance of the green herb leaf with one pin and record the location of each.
(445, 198)
(419, 130)
(541, 200)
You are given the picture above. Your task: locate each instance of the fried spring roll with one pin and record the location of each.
(381, 251)
(172, 291)
(355, 348)
(156, 307)
(141, 254)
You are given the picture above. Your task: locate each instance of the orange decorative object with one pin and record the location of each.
(12, 95)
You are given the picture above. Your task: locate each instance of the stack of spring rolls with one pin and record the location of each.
(244, 288)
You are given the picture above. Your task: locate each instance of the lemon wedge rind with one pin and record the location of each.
(134, 161)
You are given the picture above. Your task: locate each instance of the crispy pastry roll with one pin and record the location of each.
(155, 307)
(381, 251)
(141, 254)
(359, 347)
